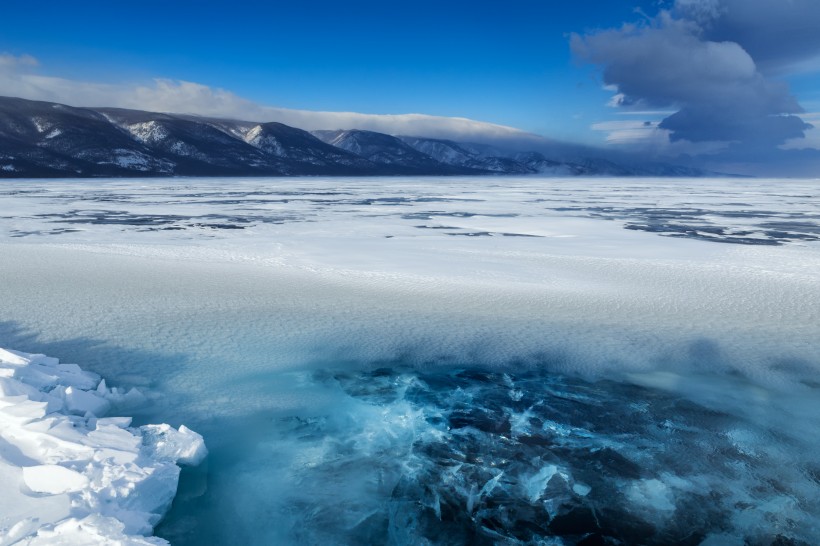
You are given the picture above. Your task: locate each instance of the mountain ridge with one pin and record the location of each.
(41, 139)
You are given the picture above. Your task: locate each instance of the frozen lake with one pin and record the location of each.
(446, 360)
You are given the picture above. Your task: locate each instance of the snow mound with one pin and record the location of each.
(69, 475)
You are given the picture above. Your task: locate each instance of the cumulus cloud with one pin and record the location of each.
(812, 139)
(699, 58)
(781, 35)
(19, 78)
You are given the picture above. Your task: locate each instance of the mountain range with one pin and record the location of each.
(44, 139)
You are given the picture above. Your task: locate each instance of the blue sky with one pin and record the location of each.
(503, 62)
(735, 79)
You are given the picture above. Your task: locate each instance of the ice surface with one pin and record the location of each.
(671, 330)
(68, 475)
(53, 479)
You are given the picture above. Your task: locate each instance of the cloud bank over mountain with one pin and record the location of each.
(20, 77)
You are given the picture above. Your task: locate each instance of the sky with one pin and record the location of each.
(732, 81)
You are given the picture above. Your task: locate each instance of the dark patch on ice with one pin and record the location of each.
(162, 222)
(793, 227)
(436, 227)
(407, 200)
(113, 217)
(232, 202)
(472, 233)
(487, 233)
(21, 192)
(58, 231)
(704, 233)
(705, 225)
(429, 215)
(217, 226)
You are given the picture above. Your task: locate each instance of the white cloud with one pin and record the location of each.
(628, 131)
(163, 95)
(9, 60)
(649, 137)
(645, 113)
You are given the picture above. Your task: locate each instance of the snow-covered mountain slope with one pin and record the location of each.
(389, 151)
(484, 157)
(445, 151)
(195, 145)
(289, 143)
(451, 153)
(38, 138)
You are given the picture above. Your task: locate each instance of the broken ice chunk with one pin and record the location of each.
(183, 446)
(81, 402)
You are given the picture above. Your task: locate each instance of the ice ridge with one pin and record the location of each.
(70, 475)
